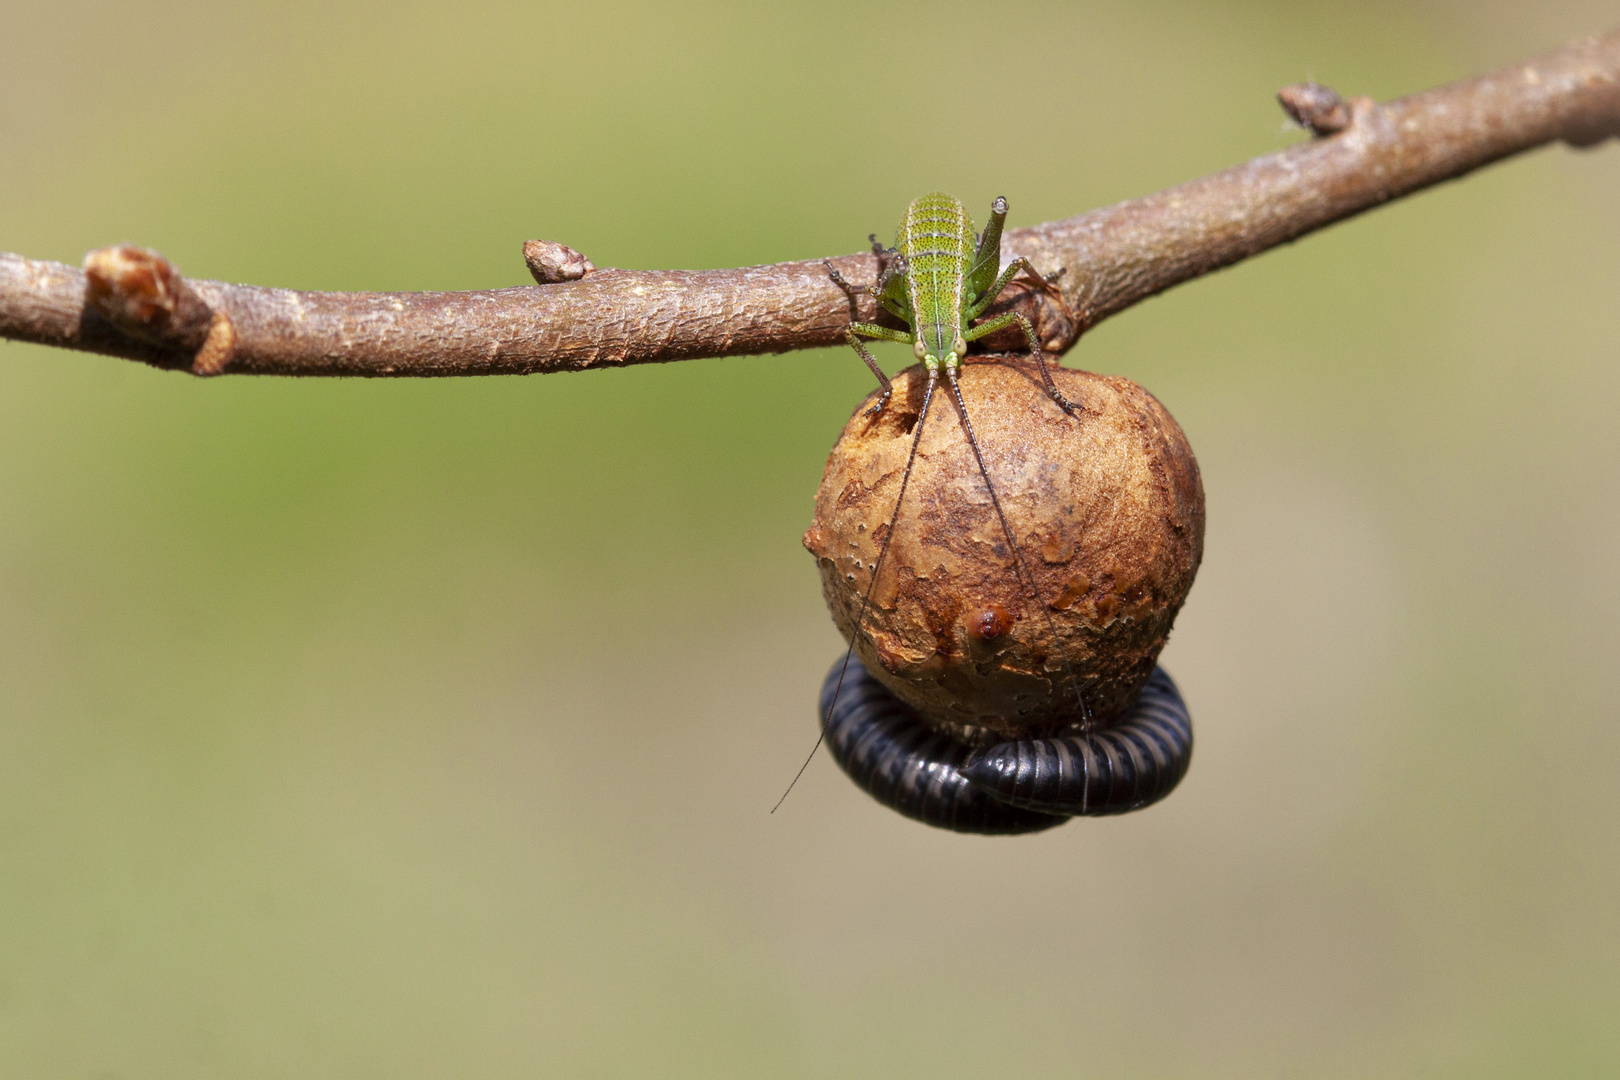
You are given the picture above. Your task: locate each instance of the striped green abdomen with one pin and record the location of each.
(936, 239)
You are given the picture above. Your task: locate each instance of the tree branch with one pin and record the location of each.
(131, 303)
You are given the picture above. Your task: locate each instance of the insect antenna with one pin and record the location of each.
(877, 568)
(1018, 555)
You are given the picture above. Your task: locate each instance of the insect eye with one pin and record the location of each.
(959, 346)
(919, 349)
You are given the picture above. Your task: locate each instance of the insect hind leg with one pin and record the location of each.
(1013, 318)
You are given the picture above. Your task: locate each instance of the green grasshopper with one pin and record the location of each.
(938, 279)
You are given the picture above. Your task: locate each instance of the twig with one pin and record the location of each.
(136, 306)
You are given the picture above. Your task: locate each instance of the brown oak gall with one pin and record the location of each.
(1107, 509)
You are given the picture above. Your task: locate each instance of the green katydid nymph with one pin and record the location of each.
(937, 280)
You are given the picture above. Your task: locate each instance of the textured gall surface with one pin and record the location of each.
(1108, 511)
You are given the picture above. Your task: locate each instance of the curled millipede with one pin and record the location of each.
(902, 763)
(1018, 786)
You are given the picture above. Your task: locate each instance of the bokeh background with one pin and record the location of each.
(426, 729)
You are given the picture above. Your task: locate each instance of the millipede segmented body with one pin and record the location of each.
(1130, 764)
(904, 764)
(1018, 786)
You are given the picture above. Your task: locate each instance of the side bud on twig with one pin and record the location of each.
(1317, 108)
(140, 293)
(552, 263)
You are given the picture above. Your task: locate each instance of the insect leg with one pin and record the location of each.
(890, 265)
(877, 568)
(987, 251)
(894, 266)
(1014, 268)
(1009, 319)
(1012, 542)
(880, 333)
(844, 283)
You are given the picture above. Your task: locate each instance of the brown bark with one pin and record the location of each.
(1113, 257)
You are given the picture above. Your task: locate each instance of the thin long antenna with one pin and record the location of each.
(1018, 555)
(877, 568)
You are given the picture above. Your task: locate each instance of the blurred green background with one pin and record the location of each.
(427, 729)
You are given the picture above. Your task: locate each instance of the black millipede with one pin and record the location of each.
(1018, 786)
